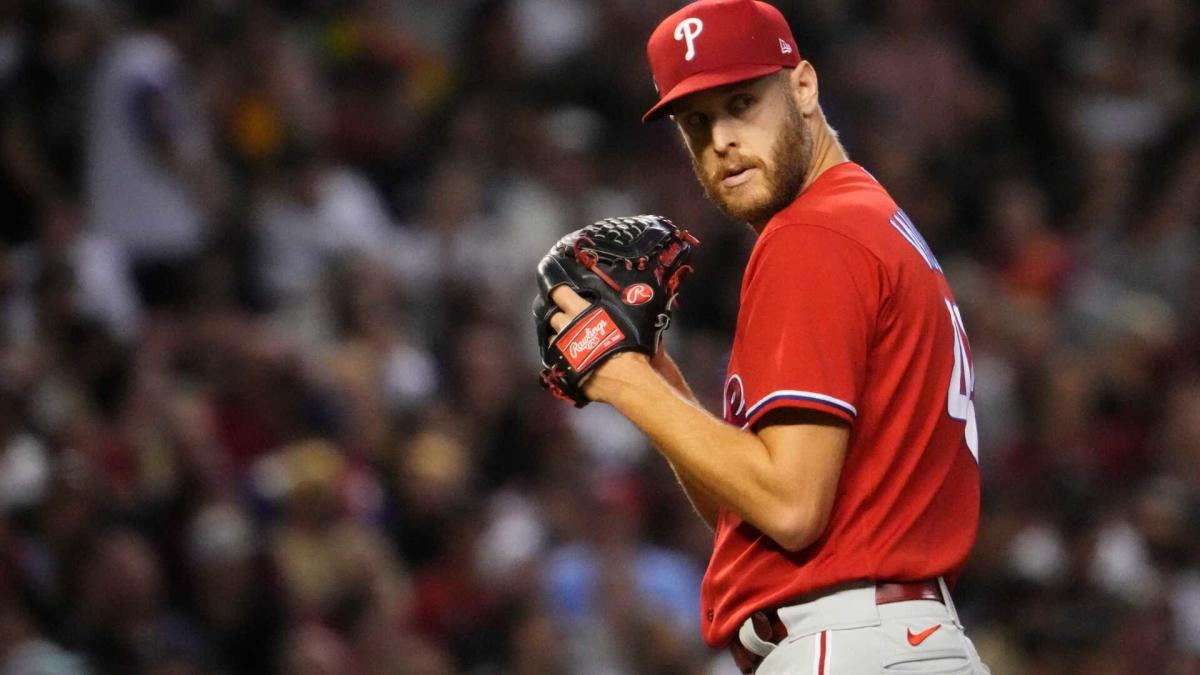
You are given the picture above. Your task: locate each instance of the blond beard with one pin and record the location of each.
(791, 156)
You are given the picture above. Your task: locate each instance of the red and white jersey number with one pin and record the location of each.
(960, 394)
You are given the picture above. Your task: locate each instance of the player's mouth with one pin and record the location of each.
(731, 178)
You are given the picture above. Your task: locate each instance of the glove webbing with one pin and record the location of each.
(591, 260)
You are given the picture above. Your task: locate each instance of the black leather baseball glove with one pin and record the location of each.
(629, 270)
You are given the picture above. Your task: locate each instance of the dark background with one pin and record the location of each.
(267, 374)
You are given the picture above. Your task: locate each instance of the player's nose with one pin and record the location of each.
(724, 136)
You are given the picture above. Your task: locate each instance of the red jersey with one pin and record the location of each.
(845, 310)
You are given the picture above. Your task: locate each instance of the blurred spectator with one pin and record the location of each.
(151, 182)
(623, 602)
(239, 612)
(48, 62)
(24, 652)
(102, 288)
(315, 214)
(120, 616)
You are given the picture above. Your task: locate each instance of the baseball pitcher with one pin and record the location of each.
(843, 483)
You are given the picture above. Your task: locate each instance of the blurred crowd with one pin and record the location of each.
(267, 370)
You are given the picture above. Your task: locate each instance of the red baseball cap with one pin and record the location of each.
(711, 43)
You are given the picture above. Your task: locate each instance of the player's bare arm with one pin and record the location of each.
(704, 502)
(781, 479)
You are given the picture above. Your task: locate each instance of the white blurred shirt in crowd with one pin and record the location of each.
(103, 288)
(298, 240)
(132, 194)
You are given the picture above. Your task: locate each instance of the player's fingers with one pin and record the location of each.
(558, 320)
(568, 300)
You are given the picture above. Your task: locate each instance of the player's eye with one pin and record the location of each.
(741, 103)
(695, 121)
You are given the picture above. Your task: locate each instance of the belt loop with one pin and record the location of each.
(949, 602)
(750, 640)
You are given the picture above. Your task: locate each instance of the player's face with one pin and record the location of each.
(749, 144)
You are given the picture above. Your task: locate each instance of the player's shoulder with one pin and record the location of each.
(846, 204)
(845, 197)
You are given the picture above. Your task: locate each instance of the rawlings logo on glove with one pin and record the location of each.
(638, 294)
(598, 333)
(591, 339)
(629, 270)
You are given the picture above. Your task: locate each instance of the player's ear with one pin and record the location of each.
(803, 85)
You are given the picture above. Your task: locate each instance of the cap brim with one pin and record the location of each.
(708, 80)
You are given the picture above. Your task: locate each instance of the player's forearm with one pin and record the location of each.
(705, 504)
(665, 366)
(732, 465)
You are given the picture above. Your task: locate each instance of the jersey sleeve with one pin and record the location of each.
(811, 305)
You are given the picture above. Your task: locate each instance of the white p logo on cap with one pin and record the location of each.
(689, 29)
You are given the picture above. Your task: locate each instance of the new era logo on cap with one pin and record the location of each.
(711, 43)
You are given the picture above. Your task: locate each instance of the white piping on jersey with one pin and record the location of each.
(800, 396)
(904, 225)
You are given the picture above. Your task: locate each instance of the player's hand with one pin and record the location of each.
(621, 367)
(630, 269)
(570, 304)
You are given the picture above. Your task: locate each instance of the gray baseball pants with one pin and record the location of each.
(846, 633)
